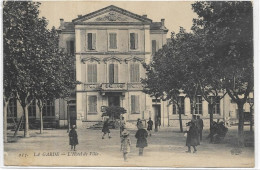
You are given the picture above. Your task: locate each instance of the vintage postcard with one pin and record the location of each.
(128, 84)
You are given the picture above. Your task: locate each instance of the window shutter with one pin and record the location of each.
(112, 41)
(115, 73)
(131, 72)
(132, 104)
(153, 47)
(94, 73)
(89, 73)
(68, 46)
(93, 41)
(137, 104)
(137, 73)
(72, 49)
(136, 41)
(89, 41)
(132, 41)
(111, 73)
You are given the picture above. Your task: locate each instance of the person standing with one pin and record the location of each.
(192, 137)
(122, 125)
(141, 136)
(73, 137)
(105, 129)
(150, 126)
(139, 123)
(125, 144)
(200, 126)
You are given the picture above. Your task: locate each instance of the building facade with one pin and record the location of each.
(110, 45)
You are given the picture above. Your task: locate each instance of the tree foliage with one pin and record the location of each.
(227, 27)
(39, 69)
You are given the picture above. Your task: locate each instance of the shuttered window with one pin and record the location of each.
(92, 104)
(134, 72)
(70, 47)
(135, 106)
(133, 41)
(92, 73)
(175, 107)
(91, 41)
(113, 73)
(216, 107)
(48, 108)
(153, 47)
(12, 108)
(112, 41)
(32, 109)
(198, 109)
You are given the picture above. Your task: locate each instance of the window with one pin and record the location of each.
(32, 109)
(92, 104)
(113, 73)
(198, 107)
(70, 47)
(48, 108)
(133, 41)
(12, 108)
(112, 40)
(135, 109)
(134, 72)
(156, 100)
(91, 41)
(92, 73)
(216, 107)
(175, 107)
(153, 47)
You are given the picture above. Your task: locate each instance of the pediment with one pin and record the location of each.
(111, 14)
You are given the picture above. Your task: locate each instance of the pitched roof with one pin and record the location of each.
(113, 8)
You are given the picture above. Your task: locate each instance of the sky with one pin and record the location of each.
(175, 13)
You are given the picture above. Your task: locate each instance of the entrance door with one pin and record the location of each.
(113, 100)
(157, 116)
(73, 115)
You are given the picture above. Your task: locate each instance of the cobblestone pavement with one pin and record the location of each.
(166, 148)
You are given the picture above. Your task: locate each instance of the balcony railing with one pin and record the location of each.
(91, 87)
(112, 86)
(134, 86)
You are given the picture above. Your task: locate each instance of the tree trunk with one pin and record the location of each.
(68, 117)
(241, 138)
(180, 120)
(40, 106)
(5, 121)
(211, 116)
(26, 116)
(41, 120)
(251, 119)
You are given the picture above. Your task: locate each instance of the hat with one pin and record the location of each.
(125, 133)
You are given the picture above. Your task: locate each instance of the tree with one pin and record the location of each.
(40, 69)
(114, 112)
(228, 28)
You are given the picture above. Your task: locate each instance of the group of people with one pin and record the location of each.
(141, 136)
(194, 133)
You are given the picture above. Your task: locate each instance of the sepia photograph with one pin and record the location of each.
(128, 84)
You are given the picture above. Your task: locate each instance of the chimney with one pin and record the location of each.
(79, 16)
(62, 23)
(162, 21)
(145, 16)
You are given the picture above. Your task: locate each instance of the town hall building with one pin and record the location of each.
(110, 46)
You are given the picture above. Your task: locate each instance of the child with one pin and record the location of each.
(73, 137)
(125, 144)
(106, 130)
